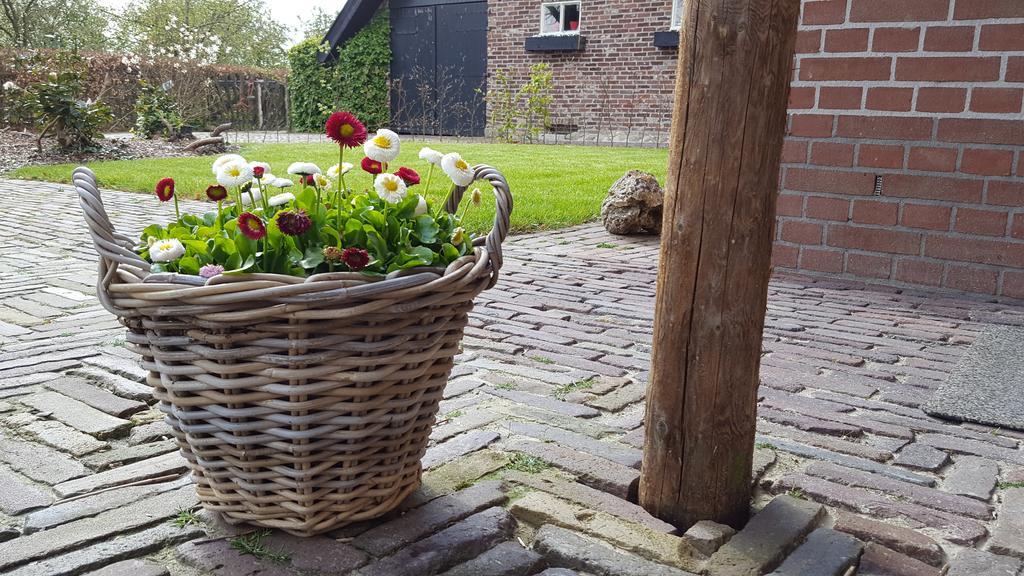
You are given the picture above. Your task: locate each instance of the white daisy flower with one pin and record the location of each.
(383, 147)
(431, 155)
(336, 170)
(253, 196)
(321, 181)
(457, 169)
(267, 178)
(234, 173)
(280, 183)
(421, 207)
(222, 160)
(281, 199)
(10, 85)
(166, 250)
(303, 168)
(390, 188)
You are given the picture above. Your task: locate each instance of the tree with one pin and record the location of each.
(238, 32)
(68, 24)
(316, 26)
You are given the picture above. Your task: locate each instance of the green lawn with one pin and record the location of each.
(553, 186)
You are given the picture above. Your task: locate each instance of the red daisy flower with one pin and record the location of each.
(408, 175)
(309, 180)
(372, 166)
(165, 189)
(293, 223)
(216, 192)
(355, 258)
(345, 129)
(251, 225)
(257, 172)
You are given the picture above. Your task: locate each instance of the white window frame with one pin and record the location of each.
(677, 15)
(561, 18)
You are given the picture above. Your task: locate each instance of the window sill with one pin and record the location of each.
(667, 39)
(556, 43)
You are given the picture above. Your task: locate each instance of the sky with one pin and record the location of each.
(287, 12)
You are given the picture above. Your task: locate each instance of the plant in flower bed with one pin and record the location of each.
(322, 224)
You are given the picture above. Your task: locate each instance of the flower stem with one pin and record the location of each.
(263, 197)
(430, 174)
(177, 212)
(220, 216)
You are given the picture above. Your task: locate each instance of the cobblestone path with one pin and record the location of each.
(537, 450)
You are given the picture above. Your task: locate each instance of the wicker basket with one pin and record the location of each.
(300, 404)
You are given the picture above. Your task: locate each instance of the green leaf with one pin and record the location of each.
(314, 258)
(427, 229)
(188, 265)
(249, 263)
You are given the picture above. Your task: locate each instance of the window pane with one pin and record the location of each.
(677, 13)
(550, 21)
(572, 18)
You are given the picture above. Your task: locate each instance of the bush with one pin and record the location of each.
(156, 112)
(57, 102)
(358, 82)
(520, 114)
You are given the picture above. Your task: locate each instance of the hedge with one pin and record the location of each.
(358, 82)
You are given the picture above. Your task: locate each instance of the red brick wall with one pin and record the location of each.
(620, 79)
(925, 95)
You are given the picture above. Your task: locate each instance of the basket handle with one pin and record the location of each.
(502, 213)
(117, 257)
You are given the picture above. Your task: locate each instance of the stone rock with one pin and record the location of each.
(390, 536)
(903, 540)
(109, 550)
(972, 476)
(539, 508)
(566, 549)
(83, 391)
(17, 496)
(63, 437)
(557, 572)
(633, 205)
(880, 561)
(94, 504)
(316, 555)
(707, 536)
(220, 558)
(824, 553)
(611, 450)
(553, 483)
(448, 548)
(101, 461)
(133, 567)
(767, 538)
(458, 446)
(77, 414)
(454, 476)
(73, 534)
(149, 432)
(505, 559)
(39, 462)
(593, 471)
(922, 457)
(971, 562)
(848, 461)
(1008, 533)
(165, 465)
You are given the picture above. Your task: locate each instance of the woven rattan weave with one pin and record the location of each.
(300, 403)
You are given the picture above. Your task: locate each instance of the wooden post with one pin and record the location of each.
(732, 88)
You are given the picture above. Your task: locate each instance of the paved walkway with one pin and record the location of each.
(539, 439)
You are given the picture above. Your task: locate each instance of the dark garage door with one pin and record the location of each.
(439, 67)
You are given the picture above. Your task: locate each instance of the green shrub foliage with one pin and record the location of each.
(358, 82)
(156, 112)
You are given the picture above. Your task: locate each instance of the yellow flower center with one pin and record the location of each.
(391, 185)
(165, 246)
(235, 171)
(347, 130)
(382, 142)
(461, 164)
(253, 224)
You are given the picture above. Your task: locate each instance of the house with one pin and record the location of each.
(904, 162)
(608, 57)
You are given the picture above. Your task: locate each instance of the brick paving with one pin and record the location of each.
(536, 452)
